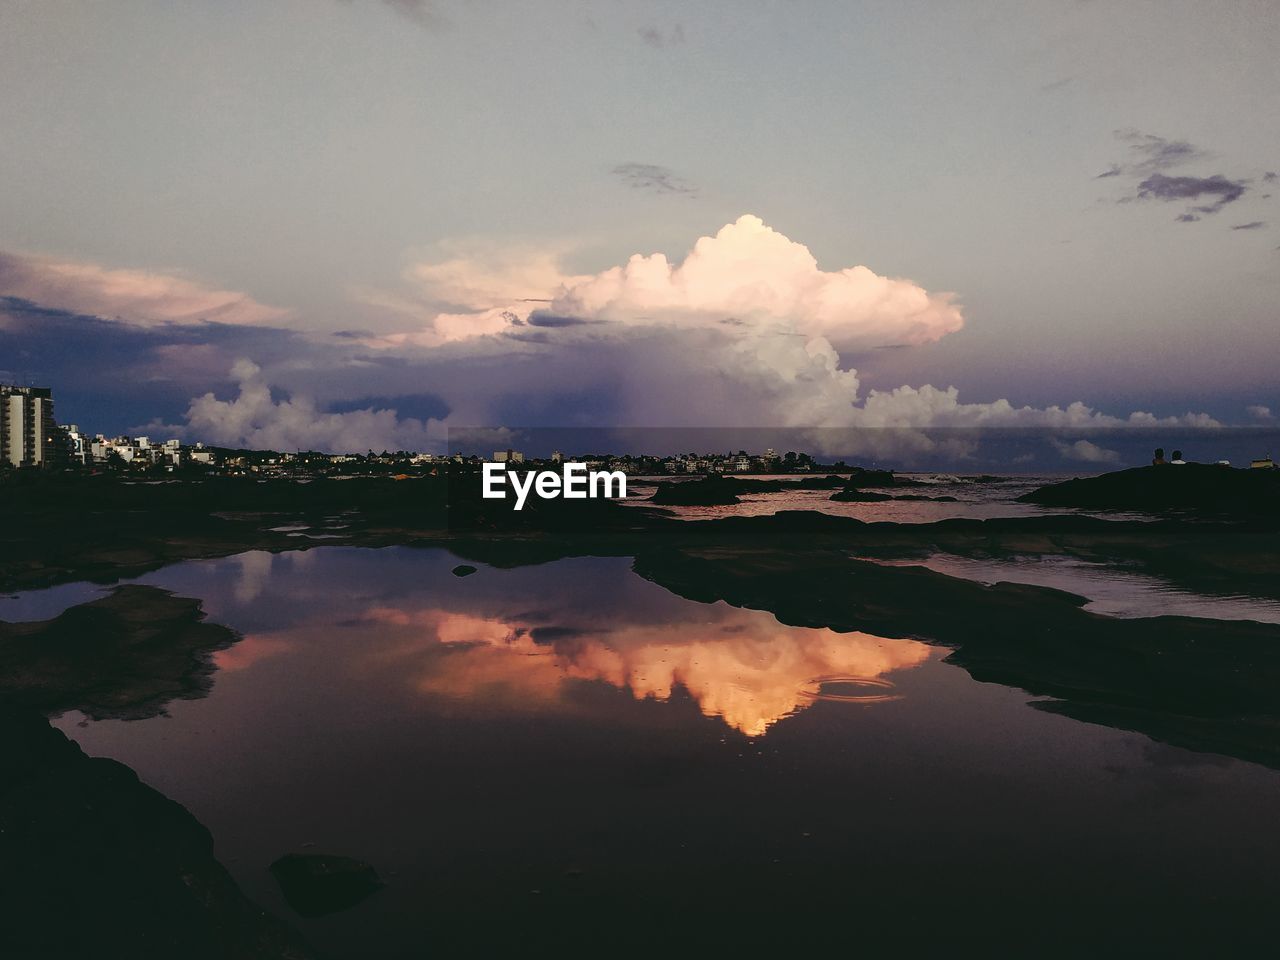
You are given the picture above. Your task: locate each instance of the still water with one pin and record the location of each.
(933, 497)
(570, 753)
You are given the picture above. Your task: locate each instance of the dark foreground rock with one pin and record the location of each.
(318, 884)
(95, 864)
(1202, 488)
(123, 656)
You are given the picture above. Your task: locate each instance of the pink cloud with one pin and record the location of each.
(138, 296)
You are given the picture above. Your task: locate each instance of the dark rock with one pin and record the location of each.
(1197, 487)
(1205, 684)
(854, 495)
(318, 884)
(463, 570)
(94, 863)
(123, 656)
(829, 482)
(710, 492)
(861, 477)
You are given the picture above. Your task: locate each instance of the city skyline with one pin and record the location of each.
(361, 224)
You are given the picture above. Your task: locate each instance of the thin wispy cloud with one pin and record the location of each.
(1149, 152)
(425, 13)
(658, 38)
(1219, 190)
(654, 179)
(1251, 225)
(1150, 155)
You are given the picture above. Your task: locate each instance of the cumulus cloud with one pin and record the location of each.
(1259, 412)
(254, 419)
(746, 330)
(746, 275)
(143, 297)
(1085, 451)
(752, 274)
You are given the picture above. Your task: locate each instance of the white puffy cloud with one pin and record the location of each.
(747, 274)
(144, 297)
(745, 331)
(1259, 412)
(254, 420)
(750, 273)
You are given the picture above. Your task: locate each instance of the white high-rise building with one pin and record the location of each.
(29, 437)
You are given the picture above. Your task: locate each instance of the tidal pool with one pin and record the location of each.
(569, 753)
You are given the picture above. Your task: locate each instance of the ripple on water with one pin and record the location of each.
(837, 689)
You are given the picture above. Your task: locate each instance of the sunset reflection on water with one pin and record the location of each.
(739, 665)
(558, 740)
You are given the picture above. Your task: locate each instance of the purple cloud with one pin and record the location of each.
(1158, 186)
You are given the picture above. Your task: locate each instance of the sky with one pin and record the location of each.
(350, 224)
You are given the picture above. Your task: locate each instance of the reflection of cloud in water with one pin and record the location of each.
(249, 650)
(255, 568)
(739, 665)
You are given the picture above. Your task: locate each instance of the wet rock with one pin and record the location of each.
(862, 477)
(710, 492)
(829, 482)
(854, 495)
(463, 570)
(318, 884)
